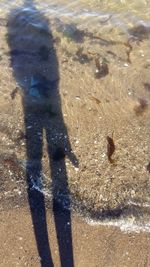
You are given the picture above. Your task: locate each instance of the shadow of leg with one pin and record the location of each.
(34, 182)
(62, 213)
(64, 235)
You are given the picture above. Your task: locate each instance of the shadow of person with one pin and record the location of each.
(35, 68)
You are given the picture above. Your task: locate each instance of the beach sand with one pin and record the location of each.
(93, 246)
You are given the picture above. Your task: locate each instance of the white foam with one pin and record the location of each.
(138, 204)
(126, 225)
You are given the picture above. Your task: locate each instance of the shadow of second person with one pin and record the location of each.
(35, 68)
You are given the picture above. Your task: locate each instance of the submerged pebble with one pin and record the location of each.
(101, 68)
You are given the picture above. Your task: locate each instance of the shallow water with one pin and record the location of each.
(104, 14)
(118, 20)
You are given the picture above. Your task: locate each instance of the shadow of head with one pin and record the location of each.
(32, 54)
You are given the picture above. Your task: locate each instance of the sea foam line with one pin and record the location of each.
(126, 225)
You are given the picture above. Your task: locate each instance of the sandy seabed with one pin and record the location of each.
(96, 102)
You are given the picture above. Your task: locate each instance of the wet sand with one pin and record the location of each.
(93, 246)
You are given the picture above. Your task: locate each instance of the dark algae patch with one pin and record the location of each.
(71, 32)
(140, 32)
(141, 107)
(148, 167)
(95, 99)
(81, 56)
(14, 93)
(110, 148)
(129, 50)
(147, 86)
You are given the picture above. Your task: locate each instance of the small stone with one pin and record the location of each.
(132, 193)
(103, 155)
(19, 193)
